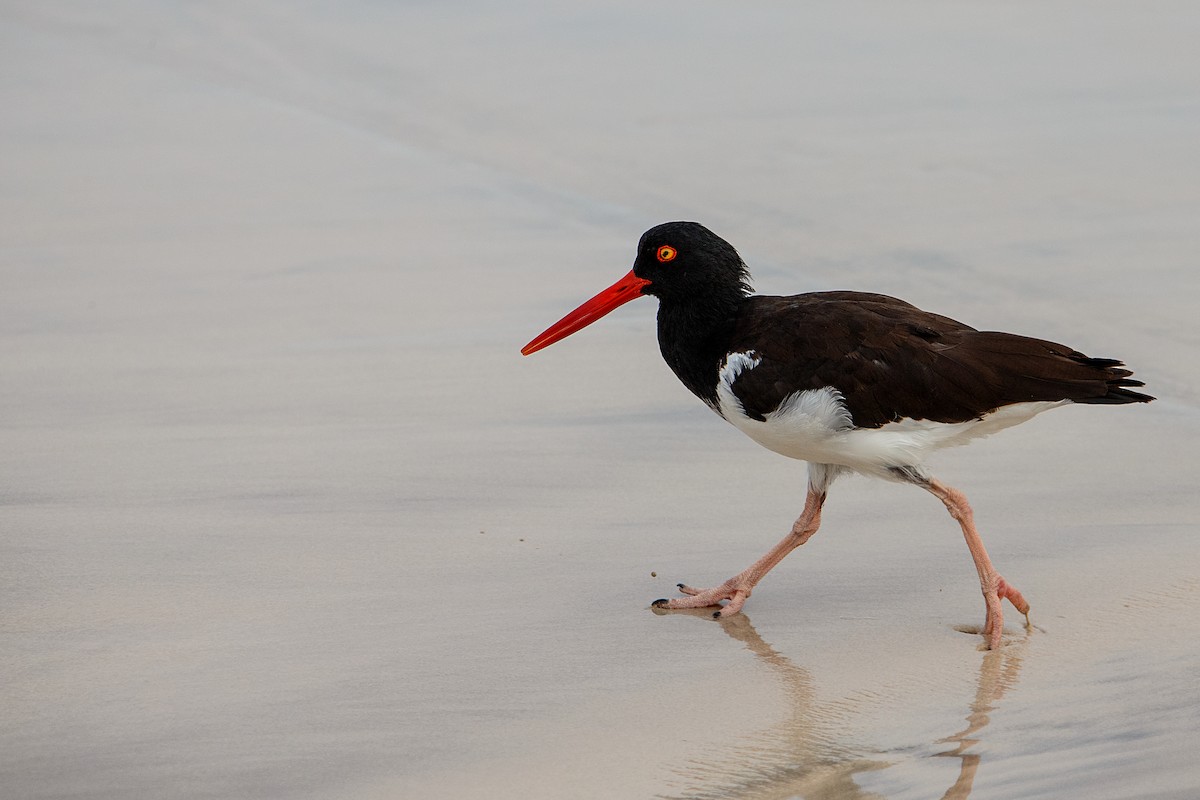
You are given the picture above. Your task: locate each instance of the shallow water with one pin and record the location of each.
(284, 513)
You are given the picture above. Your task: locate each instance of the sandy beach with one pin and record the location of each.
(284, 512)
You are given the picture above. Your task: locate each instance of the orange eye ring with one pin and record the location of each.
(666, 253)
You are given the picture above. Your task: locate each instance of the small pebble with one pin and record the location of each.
(653, 574)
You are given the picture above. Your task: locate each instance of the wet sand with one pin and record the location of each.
(283, 512)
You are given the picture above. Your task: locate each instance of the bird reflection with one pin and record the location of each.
(806, 755)
(997, 673)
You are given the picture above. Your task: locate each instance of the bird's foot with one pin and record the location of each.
(993, 626)
(734, 590)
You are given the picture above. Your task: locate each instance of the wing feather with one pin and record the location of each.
(890, 360)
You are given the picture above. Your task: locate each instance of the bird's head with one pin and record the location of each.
(677, 262)
(685, 260)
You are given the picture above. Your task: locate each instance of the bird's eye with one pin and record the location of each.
(666, 253)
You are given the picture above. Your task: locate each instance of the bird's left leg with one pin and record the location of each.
(738, 588)
(995, 588)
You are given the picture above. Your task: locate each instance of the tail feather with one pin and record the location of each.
(1117, 380)
(1023, 368)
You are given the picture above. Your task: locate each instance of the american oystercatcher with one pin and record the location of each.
(847, 381)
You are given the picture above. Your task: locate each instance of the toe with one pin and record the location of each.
(1009, 592)
(696, 601)
(735, 603)
(706, 598)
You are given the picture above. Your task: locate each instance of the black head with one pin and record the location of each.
(685, 260)
(696, 275)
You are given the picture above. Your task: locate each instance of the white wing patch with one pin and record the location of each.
(735, 364)
(815, 426)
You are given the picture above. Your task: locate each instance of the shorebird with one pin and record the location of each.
(847, 381)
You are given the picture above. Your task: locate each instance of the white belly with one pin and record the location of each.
(815, 426)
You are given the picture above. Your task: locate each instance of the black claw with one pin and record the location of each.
(679, 585)
(660, 602)
(716, 615)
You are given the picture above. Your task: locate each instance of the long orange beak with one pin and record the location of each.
(620, 293)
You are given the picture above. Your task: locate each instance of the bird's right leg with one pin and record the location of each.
(738, 588)
(995, 588)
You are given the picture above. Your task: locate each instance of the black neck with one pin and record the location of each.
(694, 337)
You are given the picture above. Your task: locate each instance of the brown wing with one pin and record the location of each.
(890, 360)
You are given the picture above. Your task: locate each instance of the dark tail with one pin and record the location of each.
(1116, 377)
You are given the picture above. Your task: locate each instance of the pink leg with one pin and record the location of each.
(738, 588)
(995, 588)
